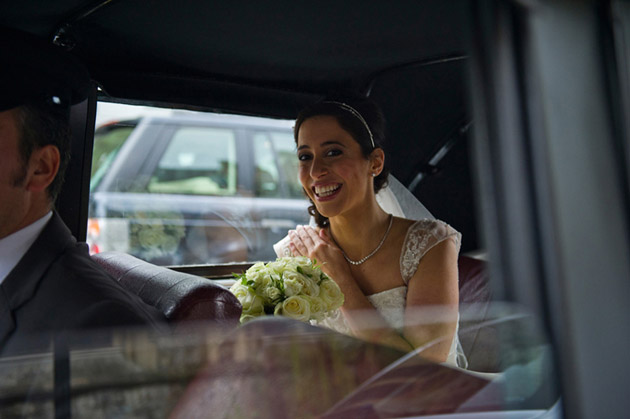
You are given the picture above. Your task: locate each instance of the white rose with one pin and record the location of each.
(290, 263)
(252, 304)
(310, 271)
(271, 294)
(331, 294)
(310, 287)
(318, 308)
(302, 260)
(258, 266)
(293, 283)
(296, 283)
(296, 307)
(279, 265)
(258, 275)
(239, 290)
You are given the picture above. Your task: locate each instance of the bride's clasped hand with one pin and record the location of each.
(315, 244)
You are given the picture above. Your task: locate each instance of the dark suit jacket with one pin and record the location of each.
(56, 287)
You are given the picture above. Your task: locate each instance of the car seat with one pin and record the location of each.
(182, 298)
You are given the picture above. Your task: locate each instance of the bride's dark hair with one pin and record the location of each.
(350, 122)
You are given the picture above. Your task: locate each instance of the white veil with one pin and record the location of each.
(397, 200)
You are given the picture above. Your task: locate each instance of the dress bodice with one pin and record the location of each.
(420, 238)
(391, 305)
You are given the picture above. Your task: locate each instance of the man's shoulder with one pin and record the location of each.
(58, 286)
(78, 279)
(66, 271)
(74, 292)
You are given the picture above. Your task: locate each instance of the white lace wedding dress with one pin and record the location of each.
(421, 237)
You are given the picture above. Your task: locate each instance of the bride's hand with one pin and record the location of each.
(306, 241)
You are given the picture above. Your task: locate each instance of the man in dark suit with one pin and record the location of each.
(48, 282)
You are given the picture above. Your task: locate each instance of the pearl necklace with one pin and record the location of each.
(373, 252)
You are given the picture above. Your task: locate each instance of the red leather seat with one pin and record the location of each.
(181, 297)
(478, 336)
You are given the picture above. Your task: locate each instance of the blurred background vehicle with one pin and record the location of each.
(194, 189)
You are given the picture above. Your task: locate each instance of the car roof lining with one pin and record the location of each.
(297, 49)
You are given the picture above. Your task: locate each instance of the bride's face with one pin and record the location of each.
(332, 169)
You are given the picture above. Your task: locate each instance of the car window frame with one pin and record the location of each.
(283, 182)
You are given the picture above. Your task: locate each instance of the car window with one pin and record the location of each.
(267, 182)
(197, 161)
(176, 187)
(274, 153)
(107, 142)
(285, 151)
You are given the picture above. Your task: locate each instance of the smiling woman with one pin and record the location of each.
(342, 167)
(337, 129)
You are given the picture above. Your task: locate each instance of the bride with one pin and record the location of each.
(398, 276)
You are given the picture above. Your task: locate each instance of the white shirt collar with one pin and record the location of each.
(15, 245)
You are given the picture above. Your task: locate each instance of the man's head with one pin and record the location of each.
(38, 126)
(24, 184)
(38, 87)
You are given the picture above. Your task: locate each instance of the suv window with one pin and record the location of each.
(197, 161)
(284, 144)
(107, 141)
(267, 175)
(275, 163)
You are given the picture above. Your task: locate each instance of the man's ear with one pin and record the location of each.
(43, 167)
(377, 160)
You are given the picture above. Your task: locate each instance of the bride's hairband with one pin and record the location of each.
(356, 113)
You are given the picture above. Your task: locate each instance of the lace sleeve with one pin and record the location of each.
(421, 237)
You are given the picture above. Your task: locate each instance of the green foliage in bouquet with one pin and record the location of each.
(294, 287)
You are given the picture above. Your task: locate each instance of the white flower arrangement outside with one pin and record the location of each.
(294, 287)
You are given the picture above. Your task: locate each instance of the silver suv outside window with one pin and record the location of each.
(182, 188)
(197, 161)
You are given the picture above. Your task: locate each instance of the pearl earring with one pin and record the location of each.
(373, 174)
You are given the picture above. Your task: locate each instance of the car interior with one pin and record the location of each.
(474, 99)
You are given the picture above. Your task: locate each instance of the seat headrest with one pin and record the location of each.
(179, 296)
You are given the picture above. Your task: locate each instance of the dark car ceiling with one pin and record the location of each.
(301, 47)
(273, 57)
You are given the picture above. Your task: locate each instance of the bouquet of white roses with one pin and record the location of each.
(290, 286)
